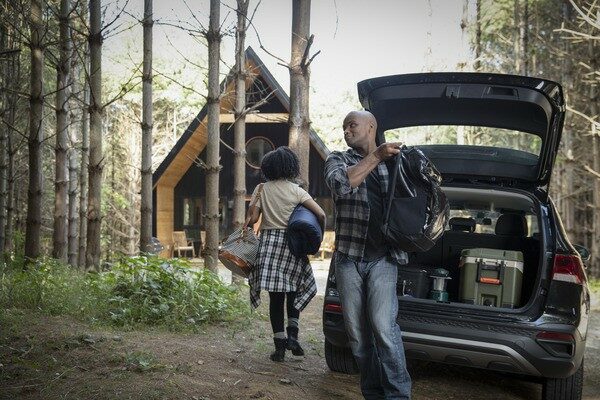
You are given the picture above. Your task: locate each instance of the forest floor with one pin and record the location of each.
(44, 357)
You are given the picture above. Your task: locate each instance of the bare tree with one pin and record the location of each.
(84, 165)
(477, 63)
(36, 132)
(594, 97)
(522, 36)
(59, 238)
(213, 37)
(567, 205)
(73, 219)
(12, 79)
(4, 109)
(146, 193)
(96, 160)
(299, 119)
(239, 127)
(77, 113)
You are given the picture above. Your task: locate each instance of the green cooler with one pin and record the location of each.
(491, 277)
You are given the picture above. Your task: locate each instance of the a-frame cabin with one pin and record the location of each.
(179, 181)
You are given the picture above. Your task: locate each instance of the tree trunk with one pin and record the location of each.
(239, 127)
(4, 132)
(36, 133)
(477, 64)
(299, 120)
(146, 194)
(595, 130)
(59, 238)
(522, 66)
(84, 166)
(75, 115)
(96, 155)
(11, 150)
(73, 231)
(568, 177)
(3, 186)
(521, 21)
(213, 36)
(10, 189)
(464, 63)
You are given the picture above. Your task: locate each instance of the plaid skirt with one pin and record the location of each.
(278, 270)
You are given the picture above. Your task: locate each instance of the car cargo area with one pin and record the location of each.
(489, 254)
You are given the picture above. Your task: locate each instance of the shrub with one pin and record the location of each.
(152, 291)
(143, 290)
(50, 287)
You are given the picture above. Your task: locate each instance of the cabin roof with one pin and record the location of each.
(191, 137)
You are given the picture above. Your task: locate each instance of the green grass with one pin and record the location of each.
(594, 284)
(137, 291)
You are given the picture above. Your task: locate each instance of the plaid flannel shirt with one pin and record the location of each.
(352, 205)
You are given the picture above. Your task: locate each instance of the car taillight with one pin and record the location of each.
(558, 344)
(333, 308)
(568, 268)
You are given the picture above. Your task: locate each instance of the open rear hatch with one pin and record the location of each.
(490, 128)
(517, 121)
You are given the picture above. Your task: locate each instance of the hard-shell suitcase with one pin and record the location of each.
(491, 277)
(413, 281)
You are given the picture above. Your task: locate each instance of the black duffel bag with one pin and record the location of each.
(416, 208)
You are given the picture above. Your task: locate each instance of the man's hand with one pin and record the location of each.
(358, 173)
(387, 150)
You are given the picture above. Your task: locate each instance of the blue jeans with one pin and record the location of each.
(370, 307)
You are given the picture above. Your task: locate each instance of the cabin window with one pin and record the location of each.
(256, 148)
(192, 211)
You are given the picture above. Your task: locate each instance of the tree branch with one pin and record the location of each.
(585, 17)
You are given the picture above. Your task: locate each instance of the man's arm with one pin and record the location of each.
(342, 179)
(359, 172)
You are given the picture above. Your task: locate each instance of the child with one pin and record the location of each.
(278, 271)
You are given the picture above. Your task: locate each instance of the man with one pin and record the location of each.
(365, 267)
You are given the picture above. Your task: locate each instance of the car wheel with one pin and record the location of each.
(340, 359)
(569, 388)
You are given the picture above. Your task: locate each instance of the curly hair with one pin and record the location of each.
(281, 163)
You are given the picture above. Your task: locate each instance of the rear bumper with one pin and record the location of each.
(511, 349)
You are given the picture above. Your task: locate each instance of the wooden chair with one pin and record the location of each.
(182, 243)
(328, 244)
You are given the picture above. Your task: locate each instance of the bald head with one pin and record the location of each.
(360, 128)
(365, 116)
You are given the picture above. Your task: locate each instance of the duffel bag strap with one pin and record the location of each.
(397, 173)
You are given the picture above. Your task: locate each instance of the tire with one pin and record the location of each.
(565, 388)
(340, 359)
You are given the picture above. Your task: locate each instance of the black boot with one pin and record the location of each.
(279, 353)
(292, 341)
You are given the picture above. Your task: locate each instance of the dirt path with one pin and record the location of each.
(58, 358)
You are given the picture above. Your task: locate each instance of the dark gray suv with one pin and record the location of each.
(494, 139)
